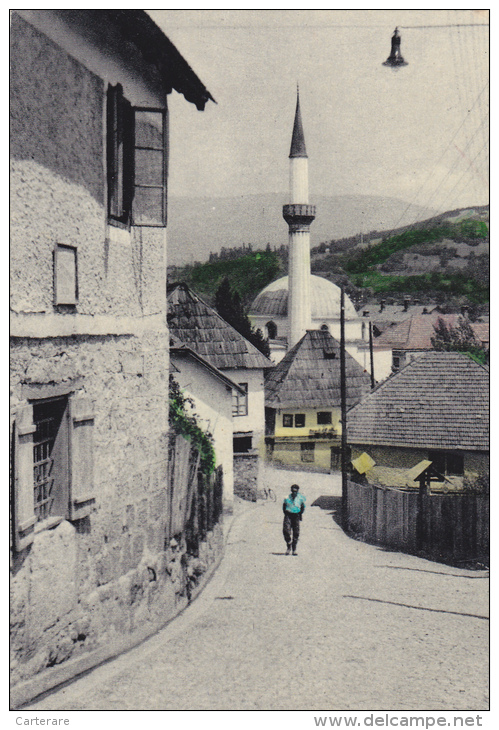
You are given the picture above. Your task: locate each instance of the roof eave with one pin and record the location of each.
(157, 48)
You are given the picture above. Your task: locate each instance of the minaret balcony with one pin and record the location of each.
(298, 213)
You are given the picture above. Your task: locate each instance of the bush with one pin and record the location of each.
(186, 425)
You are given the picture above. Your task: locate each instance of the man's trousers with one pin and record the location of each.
(291, 528)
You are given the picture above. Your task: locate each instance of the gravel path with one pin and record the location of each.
(342, 626)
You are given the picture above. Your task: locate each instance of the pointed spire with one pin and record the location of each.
(298, 148)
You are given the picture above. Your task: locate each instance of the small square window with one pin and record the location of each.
(242, 444)
(455, 464)
(324, 418)
(299, 420)
(287, 420)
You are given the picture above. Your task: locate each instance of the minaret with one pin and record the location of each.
(298, 214)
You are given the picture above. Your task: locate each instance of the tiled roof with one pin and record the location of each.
(309, 375)
(416, 332)
(200, 327)
(440, 400)
(385, 315)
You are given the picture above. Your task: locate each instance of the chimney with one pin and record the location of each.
(465, 310)
(406, 303)
(381, 305)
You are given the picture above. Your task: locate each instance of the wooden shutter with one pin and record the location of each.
(82, 493)
(150, 167)
(24, 518)
(119, 154)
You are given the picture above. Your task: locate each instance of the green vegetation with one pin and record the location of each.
(453, 285)
(468, 230)
(185, 424)
(459, 339)
(229, 306)
(356, 268)
(247, 275)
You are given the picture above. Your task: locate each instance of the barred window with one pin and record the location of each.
(287, 420)
(52, 462)
(51, 459)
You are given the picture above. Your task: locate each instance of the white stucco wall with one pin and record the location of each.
(255, 420)
(213, 407)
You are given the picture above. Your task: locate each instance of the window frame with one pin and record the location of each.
(324, 422)
(444, 456)
(80, 481)
(122, 163)
(300, 416)
(287, 420)
(164, 150)
(240, 401)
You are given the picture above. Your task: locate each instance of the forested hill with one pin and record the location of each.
(198, 226)
(443, 259)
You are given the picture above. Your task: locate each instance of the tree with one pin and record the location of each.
(459, 339)
(229, 306)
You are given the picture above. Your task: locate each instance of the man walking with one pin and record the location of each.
(293, 508)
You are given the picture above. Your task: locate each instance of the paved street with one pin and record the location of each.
(342, 626)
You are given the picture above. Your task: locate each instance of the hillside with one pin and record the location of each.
(443, 259)
(199, 226)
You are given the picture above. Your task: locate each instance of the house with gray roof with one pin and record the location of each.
(409, 338)
(436, 408)
(303, 401)
(201, 328)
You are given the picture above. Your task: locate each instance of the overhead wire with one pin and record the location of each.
(431, 173)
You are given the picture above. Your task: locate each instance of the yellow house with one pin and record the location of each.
(302, 402)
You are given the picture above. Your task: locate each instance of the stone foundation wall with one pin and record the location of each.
(86, 586)
(246, 476)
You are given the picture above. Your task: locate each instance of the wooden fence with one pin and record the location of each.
(194, 499)
(448, 527)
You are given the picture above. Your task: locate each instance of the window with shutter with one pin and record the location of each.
(52, 465)
(137, 162)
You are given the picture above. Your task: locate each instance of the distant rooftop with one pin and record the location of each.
(440, 400)
(309, 375)
(200, 327)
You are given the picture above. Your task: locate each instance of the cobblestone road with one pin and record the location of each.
(342, 626)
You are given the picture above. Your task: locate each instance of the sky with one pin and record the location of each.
(419, 134)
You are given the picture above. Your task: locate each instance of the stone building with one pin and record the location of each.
(92, 566)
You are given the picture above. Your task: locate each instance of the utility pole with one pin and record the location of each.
(344, 494)
(371, 353)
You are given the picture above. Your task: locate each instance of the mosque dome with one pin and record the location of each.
(325, 300)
